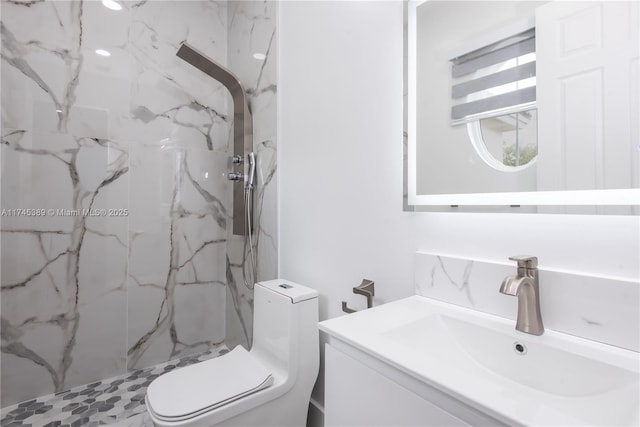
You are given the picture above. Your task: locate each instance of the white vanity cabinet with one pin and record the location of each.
(363, 391)
(422, 362)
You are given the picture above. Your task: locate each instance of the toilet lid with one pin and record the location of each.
(204, 386)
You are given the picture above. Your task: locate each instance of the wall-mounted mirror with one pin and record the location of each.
(523, 106)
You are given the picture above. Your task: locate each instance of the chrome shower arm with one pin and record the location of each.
(210, 67)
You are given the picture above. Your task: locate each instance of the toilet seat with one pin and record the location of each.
(212, 384)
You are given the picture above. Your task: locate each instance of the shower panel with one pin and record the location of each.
(242, 135)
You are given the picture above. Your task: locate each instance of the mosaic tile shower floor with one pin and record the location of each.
(117, 401)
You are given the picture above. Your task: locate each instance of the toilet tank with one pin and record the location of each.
(285, 323)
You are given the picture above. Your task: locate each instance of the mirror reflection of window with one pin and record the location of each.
(495, 79)
(512, 138)
(494, 87)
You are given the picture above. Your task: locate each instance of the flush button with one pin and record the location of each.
(285, 286)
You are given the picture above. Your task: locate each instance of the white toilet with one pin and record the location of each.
(267, 386)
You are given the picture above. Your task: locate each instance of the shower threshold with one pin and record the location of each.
(111, 401)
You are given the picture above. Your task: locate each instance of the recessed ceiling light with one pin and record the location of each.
(111, 4)
(102, 52)
(260, 56)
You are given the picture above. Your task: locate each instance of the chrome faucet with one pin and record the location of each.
(524, 285)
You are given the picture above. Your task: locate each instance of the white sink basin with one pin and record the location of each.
(527, 361)
(552, 379)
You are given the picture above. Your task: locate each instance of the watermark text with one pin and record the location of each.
(39, 212)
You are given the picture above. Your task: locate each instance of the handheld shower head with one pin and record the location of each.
(251, 174)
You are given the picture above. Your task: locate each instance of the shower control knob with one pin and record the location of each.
(234, 176)
(234, 161)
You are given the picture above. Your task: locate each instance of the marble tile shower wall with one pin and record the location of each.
(126, 259)
(252, 30)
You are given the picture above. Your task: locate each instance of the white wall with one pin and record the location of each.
(340, 85)
(340, 161)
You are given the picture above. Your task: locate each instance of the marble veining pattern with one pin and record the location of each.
(187, 284)
(16, 54)
(461, 284)
(43, 294)
(252, 29)
(603, 309)
(146, 135)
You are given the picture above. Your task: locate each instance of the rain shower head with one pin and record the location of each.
(211, 68)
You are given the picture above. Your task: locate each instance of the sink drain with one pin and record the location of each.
(519, 348)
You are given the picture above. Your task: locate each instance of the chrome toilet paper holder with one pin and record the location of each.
(366, 288)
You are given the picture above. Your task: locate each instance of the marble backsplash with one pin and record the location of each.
(126, 259)
(597, 308)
